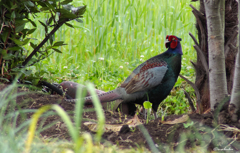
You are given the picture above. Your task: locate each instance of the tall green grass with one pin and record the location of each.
(115, 37)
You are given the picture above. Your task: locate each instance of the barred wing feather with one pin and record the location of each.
(145, 80)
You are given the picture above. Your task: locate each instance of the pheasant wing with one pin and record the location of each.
(148, 77)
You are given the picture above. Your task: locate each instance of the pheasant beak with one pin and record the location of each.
(167, 41)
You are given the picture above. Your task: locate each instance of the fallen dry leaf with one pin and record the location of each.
(182, 119)
(114, 127)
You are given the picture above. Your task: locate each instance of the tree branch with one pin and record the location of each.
(189, 101)
(59, 24)
(200, 53)
(41, 59)
(196, 92)
(194, 39)
(197, 12)
(202, 58)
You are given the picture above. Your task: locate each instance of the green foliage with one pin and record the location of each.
(188, 124)
(147, 105)
(14, 35)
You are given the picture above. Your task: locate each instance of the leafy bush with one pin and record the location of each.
(14, 35)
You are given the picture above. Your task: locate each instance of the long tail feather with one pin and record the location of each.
(104, 97)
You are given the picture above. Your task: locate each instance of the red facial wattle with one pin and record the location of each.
(173, 41)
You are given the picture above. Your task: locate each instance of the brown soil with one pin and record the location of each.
(200, 131)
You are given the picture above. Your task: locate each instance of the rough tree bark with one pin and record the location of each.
(217, 73)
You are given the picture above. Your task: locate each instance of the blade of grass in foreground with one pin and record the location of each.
(79, 107)
(78, 119)
(148, 138)
(36, 116)
(73, 130)
(99, 111)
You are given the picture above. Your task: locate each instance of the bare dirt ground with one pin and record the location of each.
(198, 131)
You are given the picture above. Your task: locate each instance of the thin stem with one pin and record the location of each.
(43, 42)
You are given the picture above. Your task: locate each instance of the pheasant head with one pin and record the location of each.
(173, 44)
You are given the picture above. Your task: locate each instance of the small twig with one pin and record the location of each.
(2, 27)
(43, 42)
(2, 66)
(40, 59)
(3, 14)
(194, 39)
(198, 12)
(189, 100)
(202, 58)
(194, 65)
(196, 92)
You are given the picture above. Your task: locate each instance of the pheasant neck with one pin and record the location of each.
(177, 50)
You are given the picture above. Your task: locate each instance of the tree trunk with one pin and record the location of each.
(235, 95)
(230, 35)
(217, 73)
